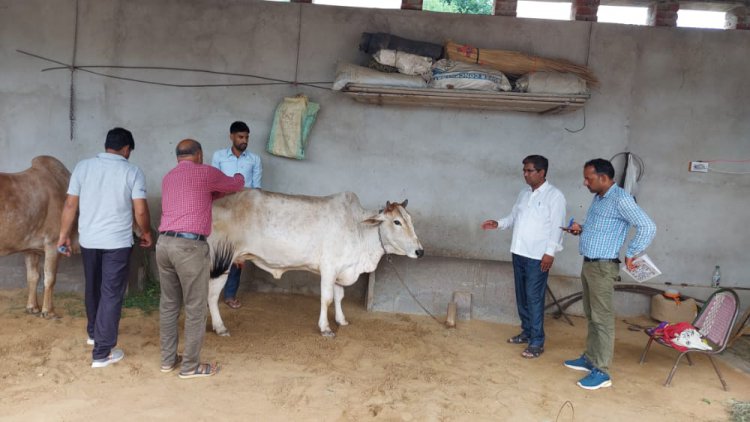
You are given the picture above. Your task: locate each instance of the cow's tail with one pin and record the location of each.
(222, 258)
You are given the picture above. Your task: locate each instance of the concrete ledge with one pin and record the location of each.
(433, 280)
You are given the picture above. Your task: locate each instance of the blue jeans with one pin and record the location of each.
(233, 282)
(531, 285)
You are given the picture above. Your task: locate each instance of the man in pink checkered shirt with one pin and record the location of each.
(182, 255)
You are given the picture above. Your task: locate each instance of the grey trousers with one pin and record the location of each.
(598, 280)
(183, 276)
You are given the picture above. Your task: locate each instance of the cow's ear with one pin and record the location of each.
(374, 220)
(403, 204)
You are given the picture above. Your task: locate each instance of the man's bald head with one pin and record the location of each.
(189, 149)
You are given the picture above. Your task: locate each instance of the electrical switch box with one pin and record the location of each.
(699, 166)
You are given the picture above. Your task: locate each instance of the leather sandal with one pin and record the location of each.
(519, 339)
(533, 352)
(203, 370)
(169, 368)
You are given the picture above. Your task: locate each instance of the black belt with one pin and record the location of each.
(615, 260)
(184, 235)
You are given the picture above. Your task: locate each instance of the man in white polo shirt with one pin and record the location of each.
(108, 190)
(536, 218)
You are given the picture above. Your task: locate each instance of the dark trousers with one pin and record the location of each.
(106, 272)
(233, 282)
(531, 285)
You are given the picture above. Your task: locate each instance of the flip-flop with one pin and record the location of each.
(203, 370)
(533, 352)
(233, 303)
(169, 368)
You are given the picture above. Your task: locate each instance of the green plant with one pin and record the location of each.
(475, 7)
(148, 299)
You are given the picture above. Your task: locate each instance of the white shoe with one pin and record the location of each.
(115, 356)
(90, 341)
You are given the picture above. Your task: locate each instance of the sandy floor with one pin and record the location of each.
(381, 367)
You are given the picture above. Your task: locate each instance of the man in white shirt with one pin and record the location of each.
(233, 160)
(536, 218)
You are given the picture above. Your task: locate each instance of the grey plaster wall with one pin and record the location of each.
(670, 95)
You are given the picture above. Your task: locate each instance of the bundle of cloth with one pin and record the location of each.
(682, 336)
(394, 62)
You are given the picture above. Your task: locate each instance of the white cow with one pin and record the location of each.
(332, 236)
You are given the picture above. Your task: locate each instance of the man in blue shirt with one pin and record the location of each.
(232, 160)
(109, 192)
(609, 218)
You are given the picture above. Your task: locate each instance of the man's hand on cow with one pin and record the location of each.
(547, 261)
(490, 225)
(146, 240)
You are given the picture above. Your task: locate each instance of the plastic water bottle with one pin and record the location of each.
(716, 278)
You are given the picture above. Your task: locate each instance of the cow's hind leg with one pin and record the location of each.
(32, 279)
(338, 295)
(326, 297)
(51, 258)
(214, 290)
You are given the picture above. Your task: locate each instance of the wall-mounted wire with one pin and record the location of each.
(87, 69)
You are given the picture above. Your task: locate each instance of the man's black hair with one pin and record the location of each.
(192, 148)
(539, 162)
(237, 127)
(601, 166)
(118, 138)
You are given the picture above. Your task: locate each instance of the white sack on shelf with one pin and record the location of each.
(347, 73)
(551, 83)
(459, 75)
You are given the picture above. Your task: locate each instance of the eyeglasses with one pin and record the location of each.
(529, 170)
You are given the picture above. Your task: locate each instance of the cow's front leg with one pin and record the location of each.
(214, 290)
(51, 259)
(338, 295)
(32, 279)
(326, 297)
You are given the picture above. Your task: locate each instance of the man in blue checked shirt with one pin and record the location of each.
(608, 220)
(232, 160)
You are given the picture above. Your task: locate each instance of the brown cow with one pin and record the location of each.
(30, 211)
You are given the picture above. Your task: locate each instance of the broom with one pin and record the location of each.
(515, 63)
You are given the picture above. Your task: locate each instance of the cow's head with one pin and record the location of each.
(397, 231)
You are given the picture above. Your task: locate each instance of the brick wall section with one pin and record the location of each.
(584, 10)
(411, 4)
(506, 7)
(738, 18)
(663, 13)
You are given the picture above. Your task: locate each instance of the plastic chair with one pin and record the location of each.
(714, 322)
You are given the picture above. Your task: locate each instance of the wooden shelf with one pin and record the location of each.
(481, 100)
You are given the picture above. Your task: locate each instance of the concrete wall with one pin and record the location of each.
(670, 95)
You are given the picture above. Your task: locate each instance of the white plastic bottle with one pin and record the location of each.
(716, 278)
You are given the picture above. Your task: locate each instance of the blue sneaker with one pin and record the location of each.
(595, 380)
(581, 364)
